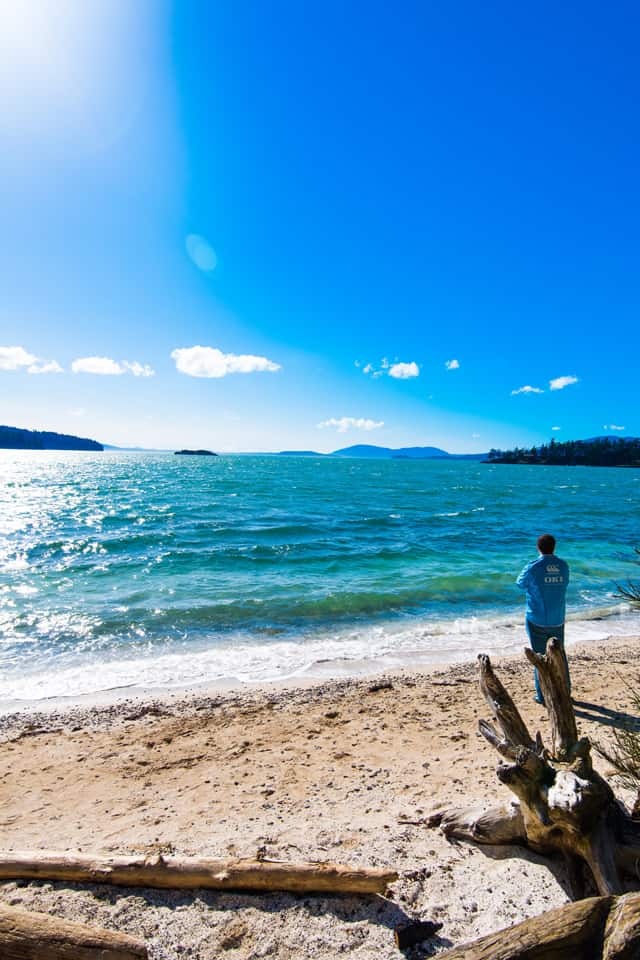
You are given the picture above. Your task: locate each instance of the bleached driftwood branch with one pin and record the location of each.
(189, 873)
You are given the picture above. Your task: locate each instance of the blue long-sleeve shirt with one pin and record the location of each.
(545, 581)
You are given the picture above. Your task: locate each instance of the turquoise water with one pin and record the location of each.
(122, 569)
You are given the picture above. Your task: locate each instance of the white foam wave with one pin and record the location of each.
(336, 653)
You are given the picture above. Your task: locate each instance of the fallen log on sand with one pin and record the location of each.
(36, 936)
(189, 873)
(599, 928)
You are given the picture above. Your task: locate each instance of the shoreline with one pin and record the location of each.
(123, 702)
(399, 650)
(344, 770)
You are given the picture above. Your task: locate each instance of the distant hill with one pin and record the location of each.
(14, 438)
(372, 452)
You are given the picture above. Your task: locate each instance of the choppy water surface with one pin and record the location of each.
(149, 569)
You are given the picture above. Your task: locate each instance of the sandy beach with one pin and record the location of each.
(343, 770)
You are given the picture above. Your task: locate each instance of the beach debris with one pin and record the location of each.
(25, 935)
(598, 928)
(380, 685)
(188, 873)
(409, 934)
(561, 803)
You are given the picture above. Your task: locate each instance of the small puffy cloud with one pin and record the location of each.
(357, 363)
(17, 358)
(342, 424)
(201, 253)
(13, 358)
(395, 369)
(561, 382)
(210, 362)
(526, 389)
(138, 369)
(103, 366)
(452, 364)
(612, 426)
(106, 367)
(46, 366)
(475, 436)
(404, 371)
(560, 428)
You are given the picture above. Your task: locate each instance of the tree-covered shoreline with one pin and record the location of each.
(598, 452)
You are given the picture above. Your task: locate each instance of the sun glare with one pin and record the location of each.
(70, 69)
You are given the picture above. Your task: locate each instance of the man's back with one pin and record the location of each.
(545, 581)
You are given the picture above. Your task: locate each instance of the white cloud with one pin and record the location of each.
(561, 382)
(452, 364)
(13, 358)
(17, 358)
(475, 436)
(560, 428)
(342, 424)
(404, 371)
(526, 389)
(138, 369)
(106, 367)
(612, 426)
(46, 366)
(397, 370)
(211, 362)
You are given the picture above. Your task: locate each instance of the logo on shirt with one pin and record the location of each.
(553, 568)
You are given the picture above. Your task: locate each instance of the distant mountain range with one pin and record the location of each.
(14, 438)
(371, 452)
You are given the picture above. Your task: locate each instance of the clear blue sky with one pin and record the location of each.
(334, 200)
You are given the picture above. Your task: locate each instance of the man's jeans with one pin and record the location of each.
(538, 637)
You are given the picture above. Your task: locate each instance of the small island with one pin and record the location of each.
(597, 452)
(195, 453)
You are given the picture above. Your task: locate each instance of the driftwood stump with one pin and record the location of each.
(562, 805)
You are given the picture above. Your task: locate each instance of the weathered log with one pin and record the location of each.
(497, 825)
(513, 727)
(189, 873)
(563, 805)
(25, 935)
(552, 672)
(600, 928)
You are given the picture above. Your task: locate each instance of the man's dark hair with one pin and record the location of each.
(546, 543)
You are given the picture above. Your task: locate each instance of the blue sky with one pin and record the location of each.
(333, 202)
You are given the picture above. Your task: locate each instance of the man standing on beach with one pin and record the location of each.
(545, 581)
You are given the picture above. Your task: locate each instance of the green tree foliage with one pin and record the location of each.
(631, 589)
(599, 452)
(623, 753)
